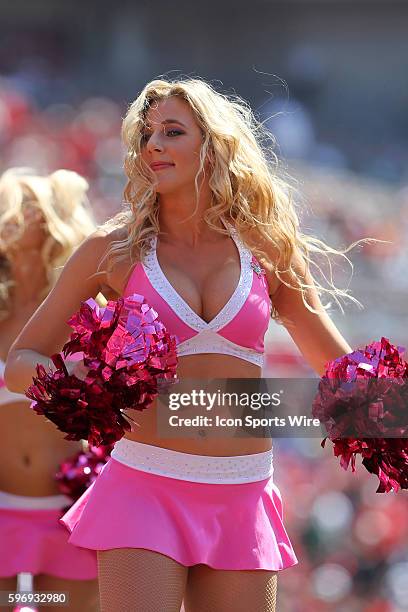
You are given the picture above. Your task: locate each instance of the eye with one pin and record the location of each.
(174, 132)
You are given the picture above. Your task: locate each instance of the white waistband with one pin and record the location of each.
(18, 502)
(195, 468)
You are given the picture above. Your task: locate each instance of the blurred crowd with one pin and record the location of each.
(85, 139)
(351, 542)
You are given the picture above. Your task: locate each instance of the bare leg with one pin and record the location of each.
(83, 594)
(210, 590)
(8, 584)
(140, 580)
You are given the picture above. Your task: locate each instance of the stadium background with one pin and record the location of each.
(332, 78)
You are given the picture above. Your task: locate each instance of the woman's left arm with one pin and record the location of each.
(316, 336)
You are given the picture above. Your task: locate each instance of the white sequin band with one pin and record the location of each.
(10, 501)
(194, 468)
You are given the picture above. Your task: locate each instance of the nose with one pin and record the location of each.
(155, 143)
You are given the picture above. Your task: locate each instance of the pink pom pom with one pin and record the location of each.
(362, 400)
(77, 473)
(130, 357)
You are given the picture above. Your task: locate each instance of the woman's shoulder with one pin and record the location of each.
(268, 253)
(262, 246)
(113, 259)
(94, 257)
(98, 245)
(107, 235)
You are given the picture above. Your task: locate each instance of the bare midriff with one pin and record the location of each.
(30, 451)
(204, 367)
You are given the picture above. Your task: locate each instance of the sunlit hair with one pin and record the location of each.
(249, 188)
(66, 213)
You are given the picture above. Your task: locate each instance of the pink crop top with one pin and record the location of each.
(237, 330)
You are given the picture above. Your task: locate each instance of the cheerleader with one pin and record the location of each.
(209, 236)
(42, 220)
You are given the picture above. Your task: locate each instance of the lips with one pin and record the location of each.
(160, 165)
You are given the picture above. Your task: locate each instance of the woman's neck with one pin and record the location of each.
(181, 217)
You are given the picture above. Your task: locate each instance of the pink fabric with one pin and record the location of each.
(139, 283)
(34, 541)
(246, 329)
(249, 326)
(225, 526)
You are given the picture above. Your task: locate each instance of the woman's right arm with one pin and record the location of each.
(47, 330)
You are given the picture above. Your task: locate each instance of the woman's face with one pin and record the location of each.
(171, 144)
(31, 235)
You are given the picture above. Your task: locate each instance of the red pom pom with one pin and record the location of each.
(130, 357)
(78, 472)
(362, 400)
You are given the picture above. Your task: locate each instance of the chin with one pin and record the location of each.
(165, 188)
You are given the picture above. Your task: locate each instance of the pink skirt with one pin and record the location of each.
(32, 540)
(225, 526)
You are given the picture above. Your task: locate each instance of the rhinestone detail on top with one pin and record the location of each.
(195, 468)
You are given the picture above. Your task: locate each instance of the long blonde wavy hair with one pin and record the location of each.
(67, 216)
(249, 187)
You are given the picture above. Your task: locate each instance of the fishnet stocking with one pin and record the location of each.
(210, 590)
(139, 580)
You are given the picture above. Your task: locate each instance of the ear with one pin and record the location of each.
(210, 157)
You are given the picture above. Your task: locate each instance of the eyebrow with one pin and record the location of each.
(166, 121)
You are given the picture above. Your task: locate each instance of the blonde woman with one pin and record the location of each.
(42, 221)
(205, 214)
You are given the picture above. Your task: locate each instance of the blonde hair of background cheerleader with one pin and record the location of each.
(61, 197)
